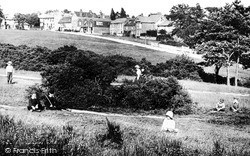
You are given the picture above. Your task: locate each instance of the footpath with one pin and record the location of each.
(168, 50)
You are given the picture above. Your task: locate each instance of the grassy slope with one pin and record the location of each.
(54, 40)
(195, 132)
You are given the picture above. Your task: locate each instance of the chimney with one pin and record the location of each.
(80, 13)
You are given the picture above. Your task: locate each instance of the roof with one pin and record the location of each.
(130, 22)
(96, 19)
(66, 19)
(119, 20)
(85, 14)
(165, 23)
(153, 18)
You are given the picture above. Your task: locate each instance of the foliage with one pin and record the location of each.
(20, 19)
(151, 33)
(224, 36)
(182, 67)
(150, 94)
(24, 57)
(186, 21)
(79, 78)
(33, 19)
(1, 15)
(164, 37)
(173, 43)
(123, 13)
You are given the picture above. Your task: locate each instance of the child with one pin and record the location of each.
(168, 123)
(9, 72)
(235, 107)
(34, 103)
(138, 72)
(220, 106)
(51, 102)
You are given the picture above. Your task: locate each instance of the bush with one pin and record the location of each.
(78, 78)
(151, 33)
(164, 37)
(150, 94)
(173, 43)
(182, 67)
(24, 57)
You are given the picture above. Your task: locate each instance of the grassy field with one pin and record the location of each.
(54, 40)
(196, 131)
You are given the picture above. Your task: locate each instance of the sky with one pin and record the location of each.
(132, 7)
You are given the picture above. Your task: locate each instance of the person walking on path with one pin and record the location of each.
(9, 72)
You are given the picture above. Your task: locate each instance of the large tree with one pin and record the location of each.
(20, 19)
(32, 19)
(224, 37)
(185, 20)
(123, 13)
(112, 14)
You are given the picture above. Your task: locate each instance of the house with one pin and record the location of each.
(50, 20)
(117, 26)
(89, 22)
(166, 25)
(143, 23)
(8, 22)
(129, 27)
(65, 23)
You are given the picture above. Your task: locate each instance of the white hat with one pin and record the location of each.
(9, 62)
(137, 66)
(170, 114)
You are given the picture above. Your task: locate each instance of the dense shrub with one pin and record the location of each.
(79, 78)
(24, 57)
(173, 43)
(164, 37)
(151, 33)
(150, 94)
(182, 67)
(121, 64)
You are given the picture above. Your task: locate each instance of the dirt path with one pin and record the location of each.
(193, 91)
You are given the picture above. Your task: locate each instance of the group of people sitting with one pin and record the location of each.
(220, 106)
(35, 104)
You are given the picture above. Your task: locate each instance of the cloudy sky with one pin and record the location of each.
(132, 7)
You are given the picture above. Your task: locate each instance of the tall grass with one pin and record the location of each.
(65, 141)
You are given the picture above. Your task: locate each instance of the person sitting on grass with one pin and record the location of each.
(220, 106)
(51, 102)
(235, 107)
(34, 103)
(168, 123)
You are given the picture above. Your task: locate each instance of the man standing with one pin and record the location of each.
(9, 72)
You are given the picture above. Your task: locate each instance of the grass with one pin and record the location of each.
(138, 133)
(54, 40)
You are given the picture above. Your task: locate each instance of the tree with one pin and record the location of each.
(224, 36)
(123, 13)
(20, 19)
(1, 16)
(186, 21)
(32, 19)
(66, 11)
(112, 14)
